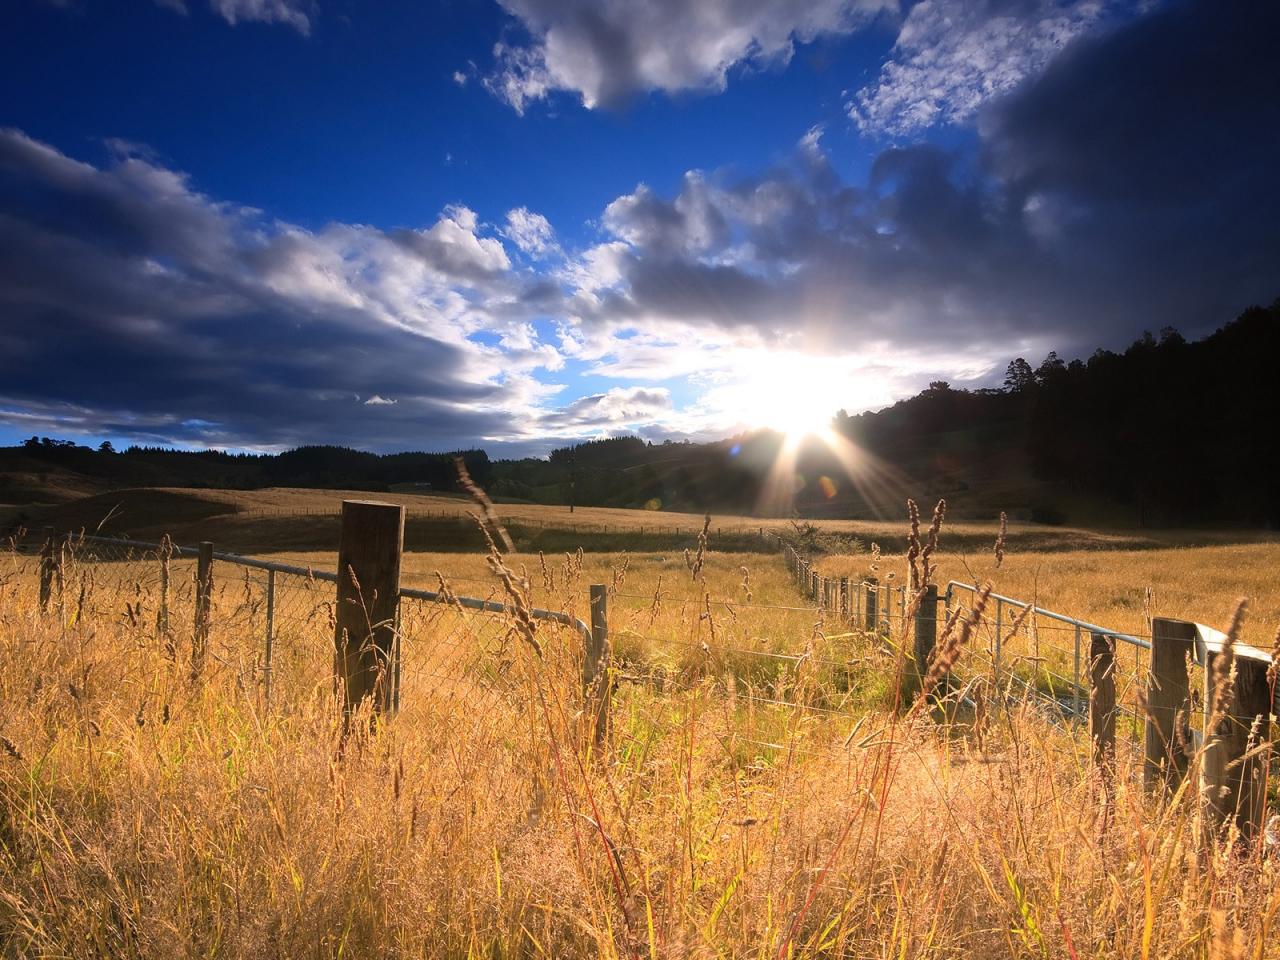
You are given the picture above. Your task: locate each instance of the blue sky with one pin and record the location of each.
(258, 223)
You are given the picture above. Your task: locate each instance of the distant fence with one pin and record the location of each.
(1139, 690)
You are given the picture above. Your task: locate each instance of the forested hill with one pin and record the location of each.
(1168, 432)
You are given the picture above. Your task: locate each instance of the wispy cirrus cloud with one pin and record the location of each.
(292, 13)
(952, 56)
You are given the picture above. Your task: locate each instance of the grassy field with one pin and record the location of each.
(306, 519)
(761, 794)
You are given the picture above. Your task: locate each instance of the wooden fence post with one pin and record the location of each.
(204, 597)
(846, 601)
(162, 607)
(1102, 701)
(926, 631)
(872, 615)
(48, 562)
(596, 686)
(369, 553)
(1232, 783)
(1168, 697)
(268, 652)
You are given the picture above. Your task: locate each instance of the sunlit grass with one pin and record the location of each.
(142, 815)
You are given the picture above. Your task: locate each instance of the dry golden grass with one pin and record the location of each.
(142, 815)
(292, 518)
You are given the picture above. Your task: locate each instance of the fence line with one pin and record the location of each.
(1157, 699)
(472, 665)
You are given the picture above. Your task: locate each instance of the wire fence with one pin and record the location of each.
(1019, 650)
(269, 627)
(458, 659)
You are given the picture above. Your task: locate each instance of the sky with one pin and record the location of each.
(255, 224)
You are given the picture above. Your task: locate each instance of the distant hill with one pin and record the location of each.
(1166, 433)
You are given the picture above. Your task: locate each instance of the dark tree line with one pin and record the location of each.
(1183, 431)
(1180, 431)
(311, 466)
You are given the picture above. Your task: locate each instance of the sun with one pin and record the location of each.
(792, 393)
(796, 415)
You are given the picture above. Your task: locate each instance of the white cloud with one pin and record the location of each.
(289, 12)
(531, 232)
(618, 408)
(377, 401)
(607, 50)
(951, 56)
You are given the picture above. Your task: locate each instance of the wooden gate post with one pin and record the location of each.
(596, 685)
(872, 616)
(1102, 701)
(926, 631)
(369, 553)
(1232, 783)
(204, 596)
(1168, 698)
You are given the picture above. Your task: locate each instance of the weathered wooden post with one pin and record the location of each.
(846, 601)
(162, 607)
(596, 685)
(204, 597)
(926, 631)
(1233, 770)
(872, 615)
(1168, 698)
(369, 553)
(269, 652)
(1102, 701)
(49, 556)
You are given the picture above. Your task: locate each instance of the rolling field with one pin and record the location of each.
(762, 791)
(306, 519)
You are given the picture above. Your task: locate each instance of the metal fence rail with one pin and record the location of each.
(1043, 655)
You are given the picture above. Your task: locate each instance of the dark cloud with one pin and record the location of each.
(1129, 186)
(134, 305)
(1150, 155)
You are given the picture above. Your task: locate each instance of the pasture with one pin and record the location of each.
(763, 791)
